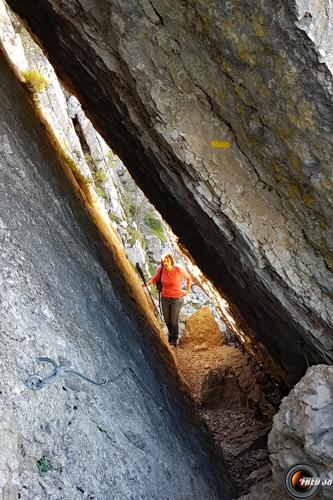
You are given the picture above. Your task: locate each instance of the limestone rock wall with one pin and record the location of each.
(62, 296)
(11, 40)
(144, 235)
(221, 112)
(301, 434)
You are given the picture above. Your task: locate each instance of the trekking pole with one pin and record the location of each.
(139, 270)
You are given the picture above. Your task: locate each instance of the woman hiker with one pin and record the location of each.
(171, 276)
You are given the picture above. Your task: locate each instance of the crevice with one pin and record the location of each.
(157, 13)
(104, 431)
(209, 99)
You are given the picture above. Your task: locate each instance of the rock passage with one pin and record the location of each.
(221, 114)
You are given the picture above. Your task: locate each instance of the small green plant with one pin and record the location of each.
(152, 269)
(128, 207)
(43, 464)
(35, 81)
(112, 159)
(99, 176)
(77, 153)
(156, 226)
(79, 176)
(89, 160)
(135, 234)
(100, 191)
(114, 218)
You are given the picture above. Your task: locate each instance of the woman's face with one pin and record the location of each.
(167, 262)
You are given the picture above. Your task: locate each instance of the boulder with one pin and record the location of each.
(202, 329)
(302, 431)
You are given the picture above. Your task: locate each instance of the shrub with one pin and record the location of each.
(35, 82)
(156, 226)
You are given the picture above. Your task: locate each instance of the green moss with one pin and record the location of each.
(99, 176)
(277, 172)
(279, 64)
(290, 77)
(258, 26)
(305, 110)
(225, 65)
(156, 226)
(34, 81)
(89, 161)
(79, 176)
(285, 132)
(307, 199)
(135, 235)
(293, 190)
(128, 206)
(240, 92)
(100, 191)
(114, 218)
(300, 114)
(112, 159)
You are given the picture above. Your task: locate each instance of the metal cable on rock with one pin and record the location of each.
(37, 382)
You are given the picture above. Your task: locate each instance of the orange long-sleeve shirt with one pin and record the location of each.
(172, 281)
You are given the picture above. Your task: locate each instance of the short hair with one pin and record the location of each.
(170, 257)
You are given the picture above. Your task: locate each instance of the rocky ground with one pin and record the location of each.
(234, 396)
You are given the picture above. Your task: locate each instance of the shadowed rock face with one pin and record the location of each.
(63, 296)
(161, 81)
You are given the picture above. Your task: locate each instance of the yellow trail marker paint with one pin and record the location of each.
(220, 144)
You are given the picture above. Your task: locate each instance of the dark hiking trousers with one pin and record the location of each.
(171, 308)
